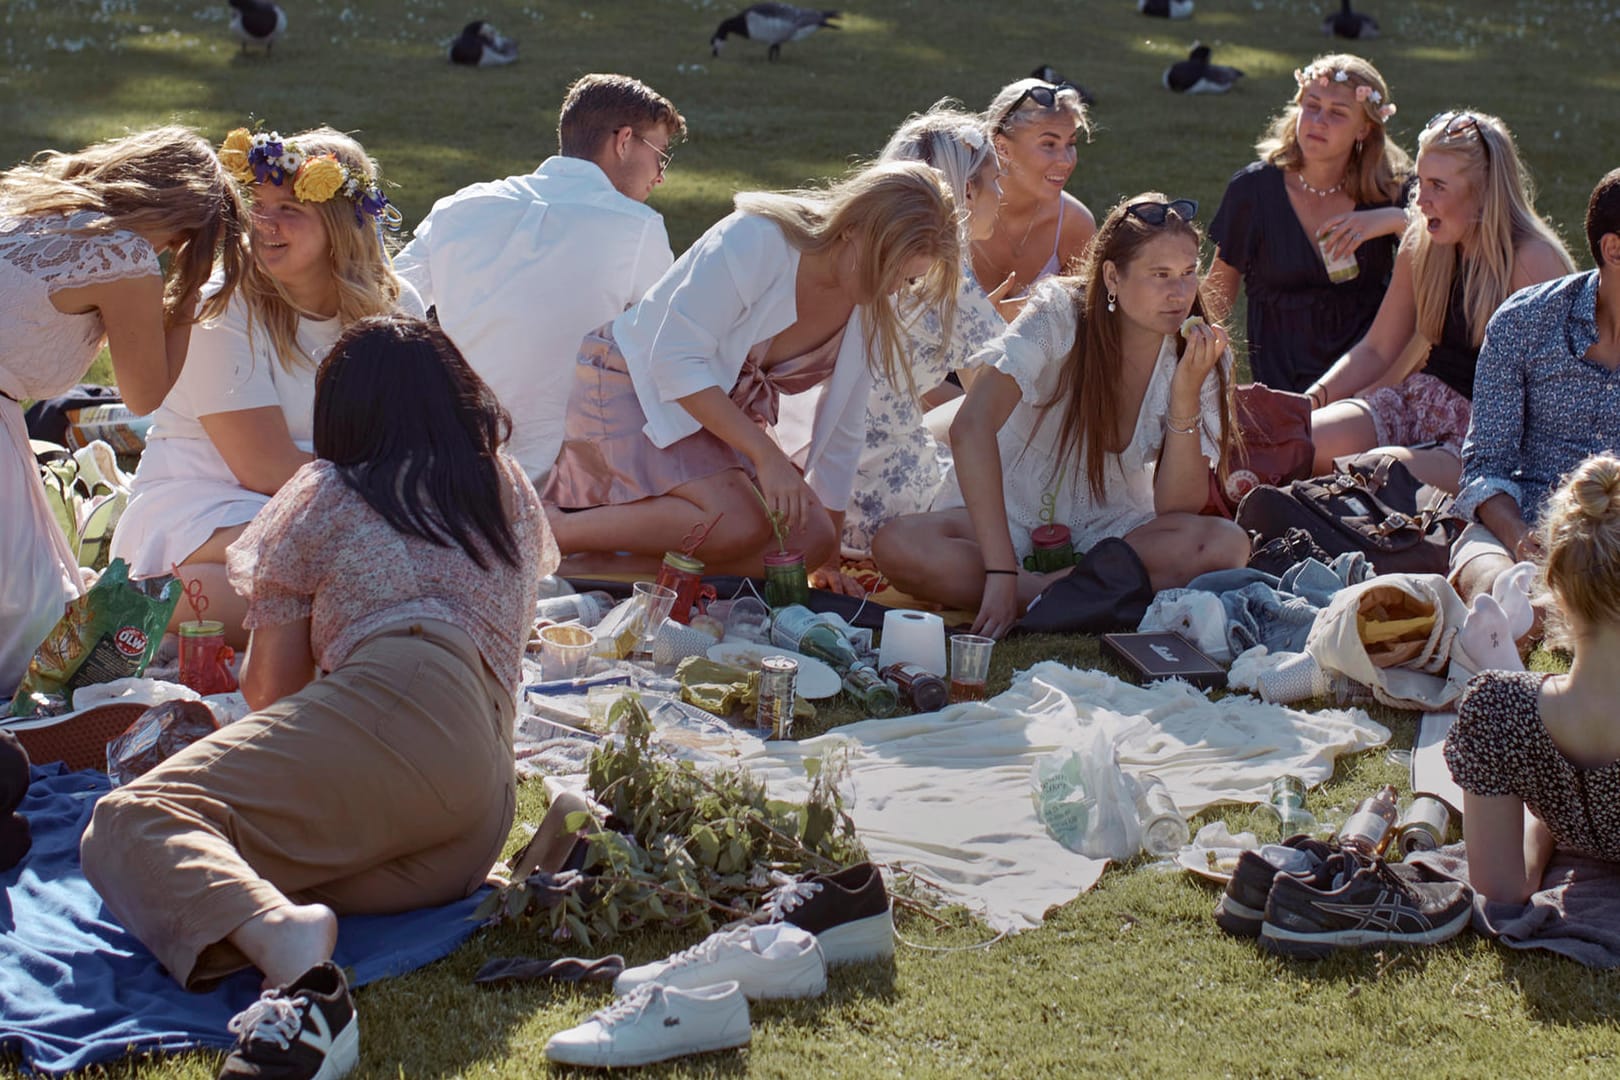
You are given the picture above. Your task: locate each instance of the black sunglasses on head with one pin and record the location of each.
(1456, 122)
(1154, 213)
(1045, 96)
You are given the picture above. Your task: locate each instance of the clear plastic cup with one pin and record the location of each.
(565, 651)
(970, 666)
(1340, 269)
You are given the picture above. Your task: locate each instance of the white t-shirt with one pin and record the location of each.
(184, 489)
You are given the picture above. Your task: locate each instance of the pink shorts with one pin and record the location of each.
(1420, 409)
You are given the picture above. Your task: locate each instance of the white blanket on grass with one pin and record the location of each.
(947, 794)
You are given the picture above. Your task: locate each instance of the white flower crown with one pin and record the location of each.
(1369, 96)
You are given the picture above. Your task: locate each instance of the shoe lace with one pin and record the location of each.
(273, 1018)
(706, 950)
(629, 1007)
(788, 896)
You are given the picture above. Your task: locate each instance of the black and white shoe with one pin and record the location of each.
(306, 1030)
(1370, 905)
(848, 912)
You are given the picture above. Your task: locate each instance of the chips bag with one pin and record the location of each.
(157, 735)
(111, 632)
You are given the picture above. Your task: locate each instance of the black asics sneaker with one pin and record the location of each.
(306, 1030)
(848, 912)
(1372, 905)
(1242, 908)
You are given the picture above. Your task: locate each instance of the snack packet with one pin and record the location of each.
(156, 735)
(111, 632)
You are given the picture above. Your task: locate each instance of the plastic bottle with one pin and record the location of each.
(1164, 830)
(1367, 832)
(863, 683)
(925, 691)
(586, 608)
(798, 628)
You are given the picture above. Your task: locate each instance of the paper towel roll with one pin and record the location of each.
(915, 637)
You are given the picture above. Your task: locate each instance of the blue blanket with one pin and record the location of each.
(76, 988)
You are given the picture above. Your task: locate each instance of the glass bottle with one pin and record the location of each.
(925, 691)
(586, 608)
(1164, 830)
(864, 684)
(1367, 832)
(798, 628)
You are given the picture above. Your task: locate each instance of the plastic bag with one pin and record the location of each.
(111, 632)
(156, 735)
(1085, 800)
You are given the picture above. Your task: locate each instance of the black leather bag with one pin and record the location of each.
(1373, 505)
(1108, 589)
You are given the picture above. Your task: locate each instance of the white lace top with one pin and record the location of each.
(1040, 489)
(42, 351)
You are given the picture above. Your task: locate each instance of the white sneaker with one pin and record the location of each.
(655, 1023)
(776, 960)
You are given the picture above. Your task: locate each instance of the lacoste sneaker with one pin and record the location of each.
(1373, 905)
(306, 1030)
(848, 912)
(773, 960)
(656, 1023)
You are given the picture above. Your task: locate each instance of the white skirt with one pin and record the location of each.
(183, 492)
(40, 574)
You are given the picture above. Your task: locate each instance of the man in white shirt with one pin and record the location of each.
(520, 270)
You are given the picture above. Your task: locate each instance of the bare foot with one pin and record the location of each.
(288, 941)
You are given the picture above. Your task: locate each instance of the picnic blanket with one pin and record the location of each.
(1576, 912)
(77, 989)
(948, 793)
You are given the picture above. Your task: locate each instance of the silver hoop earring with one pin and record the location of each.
(1111, 304)
(1358, 148)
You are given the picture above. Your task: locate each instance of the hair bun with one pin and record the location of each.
(1596, 488)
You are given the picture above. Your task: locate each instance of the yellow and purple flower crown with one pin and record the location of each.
(264, 157)
(1368, 96)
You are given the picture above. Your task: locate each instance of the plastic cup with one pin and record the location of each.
(565, 650)
(970, 666)
(653, 604)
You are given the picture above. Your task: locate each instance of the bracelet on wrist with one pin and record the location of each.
(1014, 573)
(1191, 427)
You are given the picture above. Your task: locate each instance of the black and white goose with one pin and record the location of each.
(257, 22)
(1196, 75)
(1049, 74)
(480, 46)
(1166, 9)
(773, 24)
(1350, 24)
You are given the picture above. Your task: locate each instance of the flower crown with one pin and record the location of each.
(264, 157)
(1324, 76)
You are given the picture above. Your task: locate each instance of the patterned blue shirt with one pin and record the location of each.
(1540, 407)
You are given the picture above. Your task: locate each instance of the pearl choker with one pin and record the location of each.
(1320, 193)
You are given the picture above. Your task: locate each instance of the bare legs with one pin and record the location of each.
(207, 565)
(936, 556)
(649, 527)
(287, 941)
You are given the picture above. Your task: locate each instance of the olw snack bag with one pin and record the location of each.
(111, 632)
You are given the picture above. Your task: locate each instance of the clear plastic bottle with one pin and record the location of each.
(1164, 830)
(1368, 831)
(586, 608)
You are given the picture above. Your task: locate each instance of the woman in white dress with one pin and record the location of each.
(1095, 410)
(80, 236)
(239, 421)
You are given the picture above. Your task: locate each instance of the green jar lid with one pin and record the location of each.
(203, 628)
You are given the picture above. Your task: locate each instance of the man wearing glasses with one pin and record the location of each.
(519, 270)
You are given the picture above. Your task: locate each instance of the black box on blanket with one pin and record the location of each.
(1164, 655)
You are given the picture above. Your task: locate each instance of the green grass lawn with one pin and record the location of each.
(1133, 977)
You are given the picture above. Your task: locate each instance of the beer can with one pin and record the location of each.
(778, 680)
(1424, 825)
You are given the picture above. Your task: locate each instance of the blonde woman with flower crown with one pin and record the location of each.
(1475, 238)
(238, 423)
(1328, 185)
(80, 237)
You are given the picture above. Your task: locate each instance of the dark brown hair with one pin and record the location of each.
(1603, 213)
(598, 105)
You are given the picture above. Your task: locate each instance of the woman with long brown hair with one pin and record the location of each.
(80, 238)
(1101, 409)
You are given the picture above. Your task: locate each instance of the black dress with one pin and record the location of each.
(1299, 321)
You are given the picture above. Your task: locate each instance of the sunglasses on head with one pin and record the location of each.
(1044, 95)
(1154, 213)
(1455, 122)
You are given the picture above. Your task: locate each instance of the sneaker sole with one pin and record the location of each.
(344, 1055)
(1237, 919)
(871, 938)
(651, 1055)
(1317, 946)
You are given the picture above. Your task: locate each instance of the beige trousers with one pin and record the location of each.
(385, 786)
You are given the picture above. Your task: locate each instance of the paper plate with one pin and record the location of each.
(1214, 864)
(816, 679)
